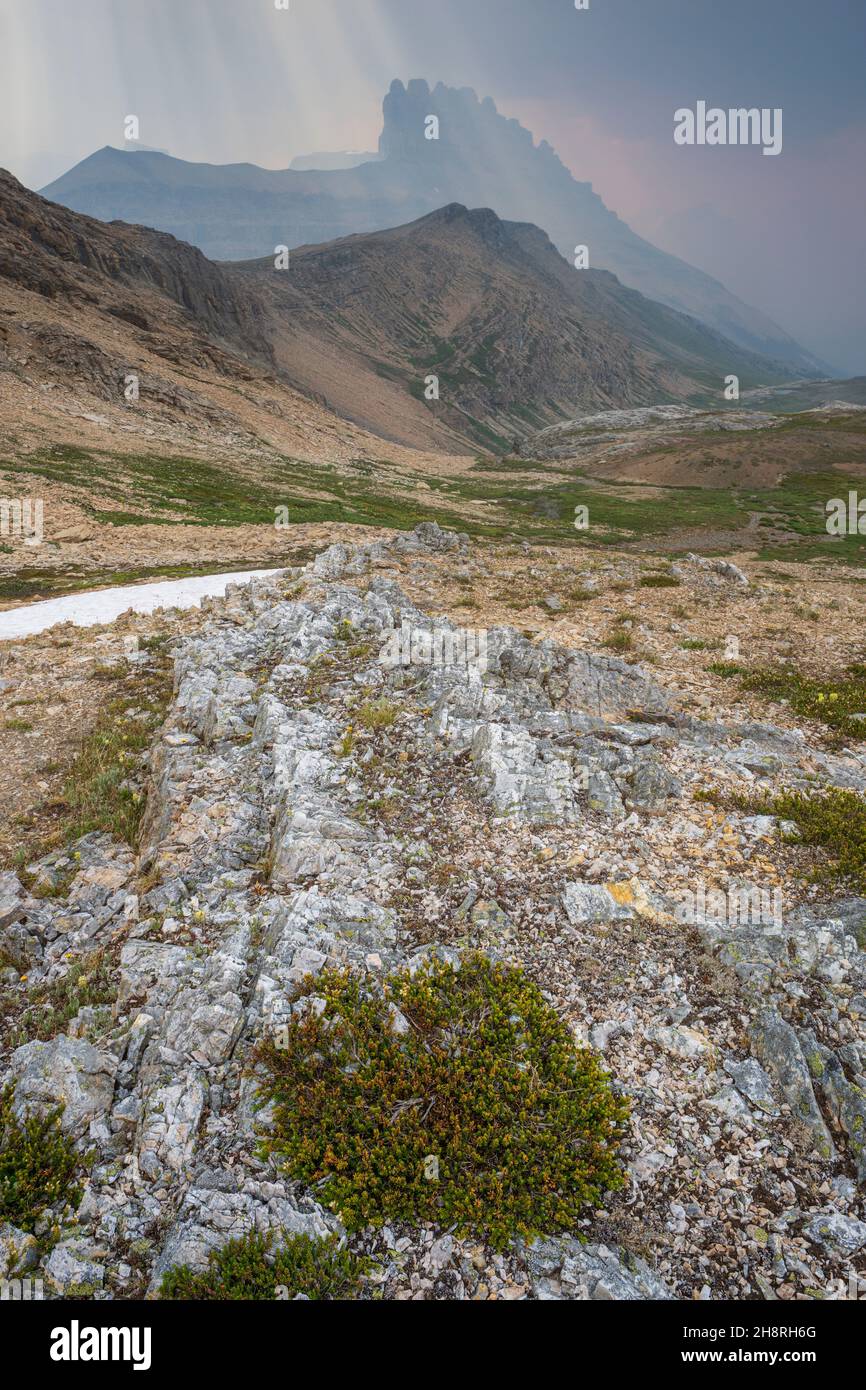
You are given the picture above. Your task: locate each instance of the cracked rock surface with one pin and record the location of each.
(536, 805)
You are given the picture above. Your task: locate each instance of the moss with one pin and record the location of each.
(38, 1164)
(250, 1269)
(466, 1069)
(815, 1063)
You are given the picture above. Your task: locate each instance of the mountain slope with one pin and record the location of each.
(516, 338)
(57, 254)
(239, 211)
(514, 335)
(84, 305)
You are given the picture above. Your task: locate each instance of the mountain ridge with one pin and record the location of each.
(512, 333)
(516, 336)
(240, 211)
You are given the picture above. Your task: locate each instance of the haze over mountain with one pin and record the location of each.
(240, 211)
(334, 159)
(516, 337)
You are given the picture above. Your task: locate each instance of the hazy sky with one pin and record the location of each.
(231, 80)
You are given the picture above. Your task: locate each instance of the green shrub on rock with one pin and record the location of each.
(38, 1164)
(836, 700)
(249, 1269)
(457, 1097)
(833, 820)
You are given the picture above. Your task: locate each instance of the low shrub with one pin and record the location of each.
(832, 701)
(456, 1097)
(832, 820)
(38, 1164)
(250, 1269)
(726, 669)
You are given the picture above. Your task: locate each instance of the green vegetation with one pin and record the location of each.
(377, 714)
(660, 581)
(458, 1098)
(250, 1269)
(88, 984)
(620, 640)
(99, 793)
(509, 464)
(181, 488)
(38, 1164)
(726, 669)
(536, 500)
(833, 701)
(501, 496)
(546, 510)
(832, 820)
(175, 490)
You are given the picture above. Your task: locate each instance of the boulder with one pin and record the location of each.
(68, 1072)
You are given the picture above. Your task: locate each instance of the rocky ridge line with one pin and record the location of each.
(554, 782)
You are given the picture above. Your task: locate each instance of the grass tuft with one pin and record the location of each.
(377, 714)
(660, 581)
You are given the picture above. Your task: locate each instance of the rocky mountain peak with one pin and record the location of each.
(466, 123)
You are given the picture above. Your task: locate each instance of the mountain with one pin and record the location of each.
(83, 305)
(334, 159)
(150, 280)
(239, 211)
(516, 337)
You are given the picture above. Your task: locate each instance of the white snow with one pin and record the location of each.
(104, 605)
